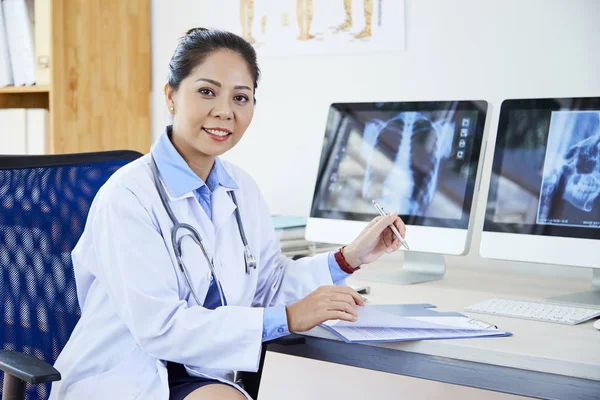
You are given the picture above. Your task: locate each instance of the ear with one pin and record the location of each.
(170, 98)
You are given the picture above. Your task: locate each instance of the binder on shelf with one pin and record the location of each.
(6, 75)
(42, 41)
(18, 17)
(36, 133)
(12, 131)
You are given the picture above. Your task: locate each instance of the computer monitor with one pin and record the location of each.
(543, 204)
(420, 159)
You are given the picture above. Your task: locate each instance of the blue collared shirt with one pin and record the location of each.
(180, 179)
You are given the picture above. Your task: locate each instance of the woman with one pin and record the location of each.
(144, 333)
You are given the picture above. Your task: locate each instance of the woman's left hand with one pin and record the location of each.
(374, 240)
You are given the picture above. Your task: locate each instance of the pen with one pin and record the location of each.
(392, 227)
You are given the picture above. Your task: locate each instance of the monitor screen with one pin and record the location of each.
(416, 158)
(546, 169)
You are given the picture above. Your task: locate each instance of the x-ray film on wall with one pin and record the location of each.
(305, 27)
(570, 193)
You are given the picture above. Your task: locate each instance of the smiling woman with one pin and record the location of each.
(179, 273)
(210, 94)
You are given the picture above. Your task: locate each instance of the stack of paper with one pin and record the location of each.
(378, 326)
(18, 17)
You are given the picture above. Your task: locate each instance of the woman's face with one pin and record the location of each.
(213, 105)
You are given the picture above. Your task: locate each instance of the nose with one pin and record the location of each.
(222, 109)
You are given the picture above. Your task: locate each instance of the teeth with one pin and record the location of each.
(216, 132)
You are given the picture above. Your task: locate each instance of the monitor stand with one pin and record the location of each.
(588, 298)
(417, 268)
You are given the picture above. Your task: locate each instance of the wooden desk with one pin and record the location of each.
(540, 360)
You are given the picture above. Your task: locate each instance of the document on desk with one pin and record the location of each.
(378, 326)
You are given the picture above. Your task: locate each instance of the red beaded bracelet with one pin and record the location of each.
(341, 260)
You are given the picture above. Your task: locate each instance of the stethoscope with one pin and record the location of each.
(249, 259)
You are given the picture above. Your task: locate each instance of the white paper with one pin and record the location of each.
(369, 317)
(375, 325)
(457, 322)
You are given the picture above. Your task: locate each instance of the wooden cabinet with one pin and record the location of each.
(99, 95)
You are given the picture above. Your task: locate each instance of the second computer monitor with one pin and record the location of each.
(544, 199)
(419, 159)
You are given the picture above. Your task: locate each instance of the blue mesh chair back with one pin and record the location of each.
(44, 203)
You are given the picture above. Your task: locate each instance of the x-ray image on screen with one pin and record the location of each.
(571, 176)
(414, 160)
(546, 169)
(415, 143)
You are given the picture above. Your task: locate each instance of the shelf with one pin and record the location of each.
(24, 89)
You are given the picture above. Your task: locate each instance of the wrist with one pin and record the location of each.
(289, 319)
(351, 257)
(346, 259)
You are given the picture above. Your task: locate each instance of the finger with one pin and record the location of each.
(373, 222)
(342, 306)
(382, 224)
(388, 238)
(329, 315)
(343, 297)
(358, 300)
(400, 226)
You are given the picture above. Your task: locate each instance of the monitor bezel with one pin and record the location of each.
(548, 104)
(478, 106)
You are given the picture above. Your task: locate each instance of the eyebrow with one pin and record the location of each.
(218, 84)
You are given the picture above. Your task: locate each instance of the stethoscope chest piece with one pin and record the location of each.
(249, 259)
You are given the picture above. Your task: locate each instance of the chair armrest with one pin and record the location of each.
(27, 368)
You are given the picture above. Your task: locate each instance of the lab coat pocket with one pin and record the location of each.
(130, 376)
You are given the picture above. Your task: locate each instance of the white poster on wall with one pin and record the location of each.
(310, 27)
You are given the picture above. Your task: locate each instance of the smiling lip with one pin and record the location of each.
(217, 134)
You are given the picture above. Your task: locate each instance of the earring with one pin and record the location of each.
(171, 108)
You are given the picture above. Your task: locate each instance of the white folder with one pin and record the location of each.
(36, 132)
(18, 16)
(6, 75)
(12, 131)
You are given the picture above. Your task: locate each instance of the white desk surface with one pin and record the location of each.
(537, 346)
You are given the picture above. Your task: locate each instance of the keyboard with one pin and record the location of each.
(537, 311)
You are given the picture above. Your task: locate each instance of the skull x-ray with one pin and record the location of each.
(416, 162)
(571, 178)
(546, 174)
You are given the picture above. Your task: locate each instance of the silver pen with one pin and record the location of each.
(392, 227)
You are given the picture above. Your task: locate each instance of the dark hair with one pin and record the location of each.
(199, 43)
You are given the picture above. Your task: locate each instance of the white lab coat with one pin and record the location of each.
(137, 310)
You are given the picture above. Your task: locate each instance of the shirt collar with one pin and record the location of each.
(178, 176)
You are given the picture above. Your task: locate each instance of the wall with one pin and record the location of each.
(455, 49)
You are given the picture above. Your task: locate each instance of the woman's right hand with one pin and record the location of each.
(325, 303)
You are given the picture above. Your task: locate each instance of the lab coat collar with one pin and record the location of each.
(177, 177)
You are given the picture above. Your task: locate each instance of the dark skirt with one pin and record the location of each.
(182, 384)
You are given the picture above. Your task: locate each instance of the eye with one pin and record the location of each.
(206, 92)
(241, 99)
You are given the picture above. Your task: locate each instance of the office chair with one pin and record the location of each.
(44, 203)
